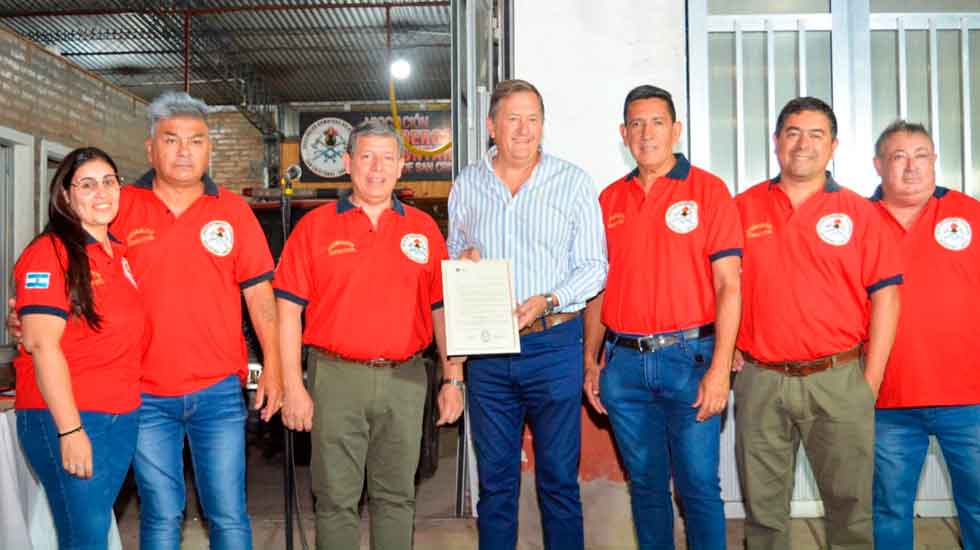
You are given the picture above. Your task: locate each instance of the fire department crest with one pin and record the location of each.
(416, 247)
(953, 233)
(682, 217)
(323, 145)
(218, 237)
(835, 229)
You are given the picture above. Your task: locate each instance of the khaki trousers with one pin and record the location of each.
(366, 419)
(832, 414)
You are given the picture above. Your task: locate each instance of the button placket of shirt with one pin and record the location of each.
(782, 208)
(367, 234)
(510, 216)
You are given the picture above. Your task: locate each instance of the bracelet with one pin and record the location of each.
(454, 382)
(69, 432)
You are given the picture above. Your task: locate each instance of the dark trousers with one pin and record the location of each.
(543, 386)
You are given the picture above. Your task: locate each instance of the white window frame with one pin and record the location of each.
(932, 23)
(22, 207)
(23, 178)
(851, 85)
(49, 151)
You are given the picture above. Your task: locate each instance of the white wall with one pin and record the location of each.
(584, 56)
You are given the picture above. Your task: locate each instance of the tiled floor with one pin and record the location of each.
(436, 529)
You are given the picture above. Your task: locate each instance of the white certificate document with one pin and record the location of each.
(479, 301)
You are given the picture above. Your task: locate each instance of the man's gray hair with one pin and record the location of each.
(900, 125)
(374, 128)
(174, 104)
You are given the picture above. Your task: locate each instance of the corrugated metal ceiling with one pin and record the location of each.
(296, 55)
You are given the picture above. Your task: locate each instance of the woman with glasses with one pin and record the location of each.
(78, 370)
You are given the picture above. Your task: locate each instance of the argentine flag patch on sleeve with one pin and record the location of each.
(37, 279)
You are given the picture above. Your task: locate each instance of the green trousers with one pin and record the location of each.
(369, 420)
(832, 414)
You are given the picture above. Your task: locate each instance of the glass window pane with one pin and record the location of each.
(974, 189)
(917, 69)
(818, 58)
(721, 98)
(950, 111)
(755, 128)
(884, 80)
(727, 7)
(787, 69)
(905, 6)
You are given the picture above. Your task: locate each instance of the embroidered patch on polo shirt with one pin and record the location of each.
(341, 247)
(37, 279)
(953, 233)
(682, 217)
(218, 237)
(835, 229)
(615, 219)
(416, 247)
(758, 230)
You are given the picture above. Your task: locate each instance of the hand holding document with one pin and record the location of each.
(479, 302)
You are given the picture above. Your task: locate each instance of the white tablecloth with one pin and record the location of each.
(25, 518)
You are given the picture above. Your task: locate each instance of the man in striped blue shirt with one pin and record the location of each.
(543, 214)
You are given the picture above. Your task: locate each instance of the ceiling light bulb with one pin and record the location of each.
(400, 69)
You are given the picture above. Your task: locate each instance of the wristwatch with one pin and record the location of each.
(552, 303)
(454, 382)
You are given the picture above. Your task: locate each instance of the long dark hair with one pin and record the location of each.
(64, 224)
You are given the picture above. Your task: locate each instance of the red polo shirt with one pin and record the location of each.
(104, 365)
(808, 273)
(933, 361)
(661, 245)
(191, 270)
(369, 293)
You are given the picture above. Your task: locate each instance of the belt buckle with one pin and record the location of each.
(644, 344)
(380, 363)
(648, 344)
(654, 342)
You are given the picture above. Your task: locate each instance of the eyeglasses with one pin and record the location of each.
(88, 186)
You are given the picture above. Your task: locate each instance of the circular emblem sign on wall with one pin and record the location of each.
(323, 145)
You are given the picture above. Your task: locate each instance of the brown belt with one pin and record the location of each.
(376, 363)
(806, 368)
(542, 324)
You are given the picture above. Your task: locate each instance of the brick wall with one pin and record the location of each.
(47, 97)
(237, 157)
(43, 95)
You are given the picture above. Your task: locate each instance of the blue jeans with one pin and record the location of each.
(901, 444)
(81, 508)
(542, 385)
(649, 397)
(213, 419)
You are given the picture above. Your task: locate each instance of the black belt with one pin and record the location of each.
(657, 341)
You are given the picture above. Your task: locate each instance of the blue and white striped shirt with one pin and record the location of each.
(551, 229)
